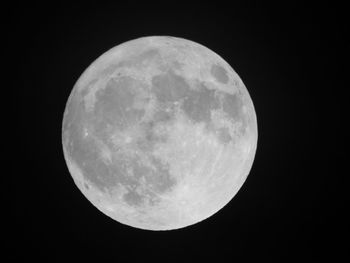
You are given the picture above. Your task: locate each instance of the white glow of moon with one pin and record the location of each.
(159, 133)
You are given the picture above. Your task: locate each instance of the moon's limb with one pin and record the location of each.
(161, 131)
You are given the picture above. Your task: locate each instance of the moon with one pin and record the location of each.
(159, 133)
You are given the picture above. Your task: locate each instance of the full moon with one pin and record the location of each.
(159, 133)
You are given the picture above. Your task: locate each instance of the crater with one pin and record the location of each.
(146, 56)
(233, 106)
(87, 156)
(169, 87)
(219, 73)
(224, 136)
(199, 102)
(133, 198)
(113, 106)
(139, 60)
(151, 178)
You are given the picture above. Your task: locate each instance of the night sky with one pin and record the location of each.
(290, 59)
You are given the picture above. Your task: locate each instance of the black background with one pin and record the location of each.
(289, 57)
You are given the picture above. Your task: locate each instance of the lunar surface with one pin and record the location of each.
(159, 133)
